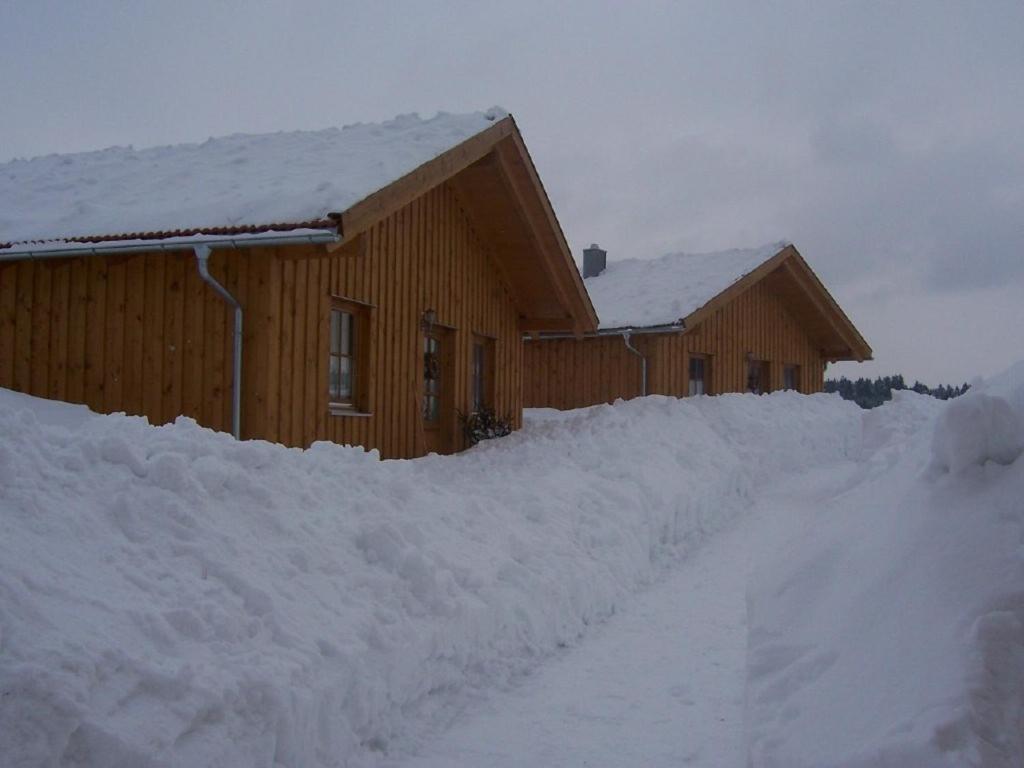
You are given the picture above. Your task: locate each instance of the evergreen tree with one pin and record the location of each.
(870, 394)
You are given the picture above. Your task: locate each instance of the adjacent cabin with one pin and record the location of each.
(369, 285)
(753, 320)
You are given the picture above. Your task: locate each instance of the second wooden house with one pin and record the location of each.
(752, 320)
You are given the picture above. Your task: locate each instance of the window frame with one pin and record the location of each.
(764, 374)
(706, 374)
(357, 403)
(791, 370)
(485, 376)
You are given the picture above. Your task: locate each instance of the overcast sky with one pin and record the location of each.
(886, 140)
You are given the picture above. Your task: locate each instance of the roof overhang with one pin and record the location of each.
(789, 277)
(497, 184)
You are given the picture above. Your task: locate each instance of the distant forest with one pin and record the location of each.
(868, 394)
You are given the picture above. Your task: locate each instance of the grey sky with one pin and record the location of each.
(884, 139)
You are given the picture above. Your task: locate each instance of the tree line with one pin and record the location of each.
(869, 394)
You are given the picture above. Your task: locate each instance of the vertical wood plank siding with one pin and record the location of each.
(425, 256)
(143, 334)
(571, 373)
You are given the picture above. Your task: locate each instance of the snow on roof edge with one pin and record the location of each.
(647, 293)
(240, 180)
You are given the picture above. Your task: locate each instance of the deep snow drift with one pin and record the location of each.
(892, 633)
(169, 596)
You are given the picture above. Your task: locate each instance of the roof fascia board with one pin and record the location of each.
(577, 290)
(738, 287)
(529, 222)
(814, 285)
(814, 294)
(403, 191)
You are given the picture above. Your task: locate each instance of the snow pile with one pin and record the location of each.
(974, 429)
(169, 596)
(892, 632)
(235, 180)
(638, 292)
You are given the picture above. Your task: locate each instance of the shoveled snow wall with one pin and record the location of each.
(172, 597)
(892, 633)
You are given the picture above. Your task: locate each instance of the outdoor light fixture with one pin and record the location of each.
(428, 319)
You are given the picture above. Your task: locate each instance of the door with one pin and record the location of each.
(436, 391)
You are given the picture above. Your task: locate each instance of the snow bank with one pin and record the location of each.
(236, 180)
(169, 596)
(645, 292)
(976, 428)
(893, 632)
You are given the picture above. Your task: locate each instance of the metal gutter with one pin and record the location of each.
(74, 250)
(643, 363)
(203, 265)
(650, 329)
(202, 247)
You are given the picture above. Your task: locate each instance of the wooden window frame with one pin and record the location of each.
(358, 404)
(764, 375)
(795, 369)
(486, 377)
(437, 338)
(706, 380)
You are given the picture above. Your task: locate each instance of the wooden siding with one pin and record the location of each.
(140, 334)
(425, 256)
(572, 373)
(143, 334)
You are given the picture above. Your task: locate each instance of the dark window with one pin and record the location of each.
(791, 377)
(479, 360)
(757, 377)
(431, 379)
(698, 375)
(342, 369)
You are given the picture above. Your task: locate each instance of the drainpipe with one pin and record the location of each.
(643, 363)
(202, 262)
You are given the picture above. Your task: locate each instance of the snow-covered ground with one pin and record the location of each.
(661, 683)
(773, 581)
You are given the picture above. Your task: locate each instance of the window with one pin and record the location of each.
(431, 378)
(757, 377)
(698, 375)
(481, 373)
(347, 356)
(791, 377)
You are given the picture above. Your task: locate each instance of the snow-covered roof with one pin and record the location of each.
(237, 182)
(639, 293)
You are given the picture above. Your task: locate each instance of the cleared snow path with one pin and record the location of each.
(661, 683)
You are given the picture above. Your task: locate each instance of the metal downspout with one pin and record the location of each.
(202, 262)
(643, 363)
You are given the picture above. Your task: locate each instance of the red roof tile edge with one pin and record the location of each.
(244, 229)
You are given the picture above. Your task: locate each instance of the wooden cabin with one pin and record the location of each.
(366, 285)
(752, 320)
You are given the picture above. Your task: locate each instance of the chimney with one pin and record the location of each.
(594, 261)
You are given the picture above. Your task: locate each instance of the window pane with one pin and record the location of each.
(345, 379)
(697, 376)
(346, 333)
(335, 331)
(478, 377)
(334, 384)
